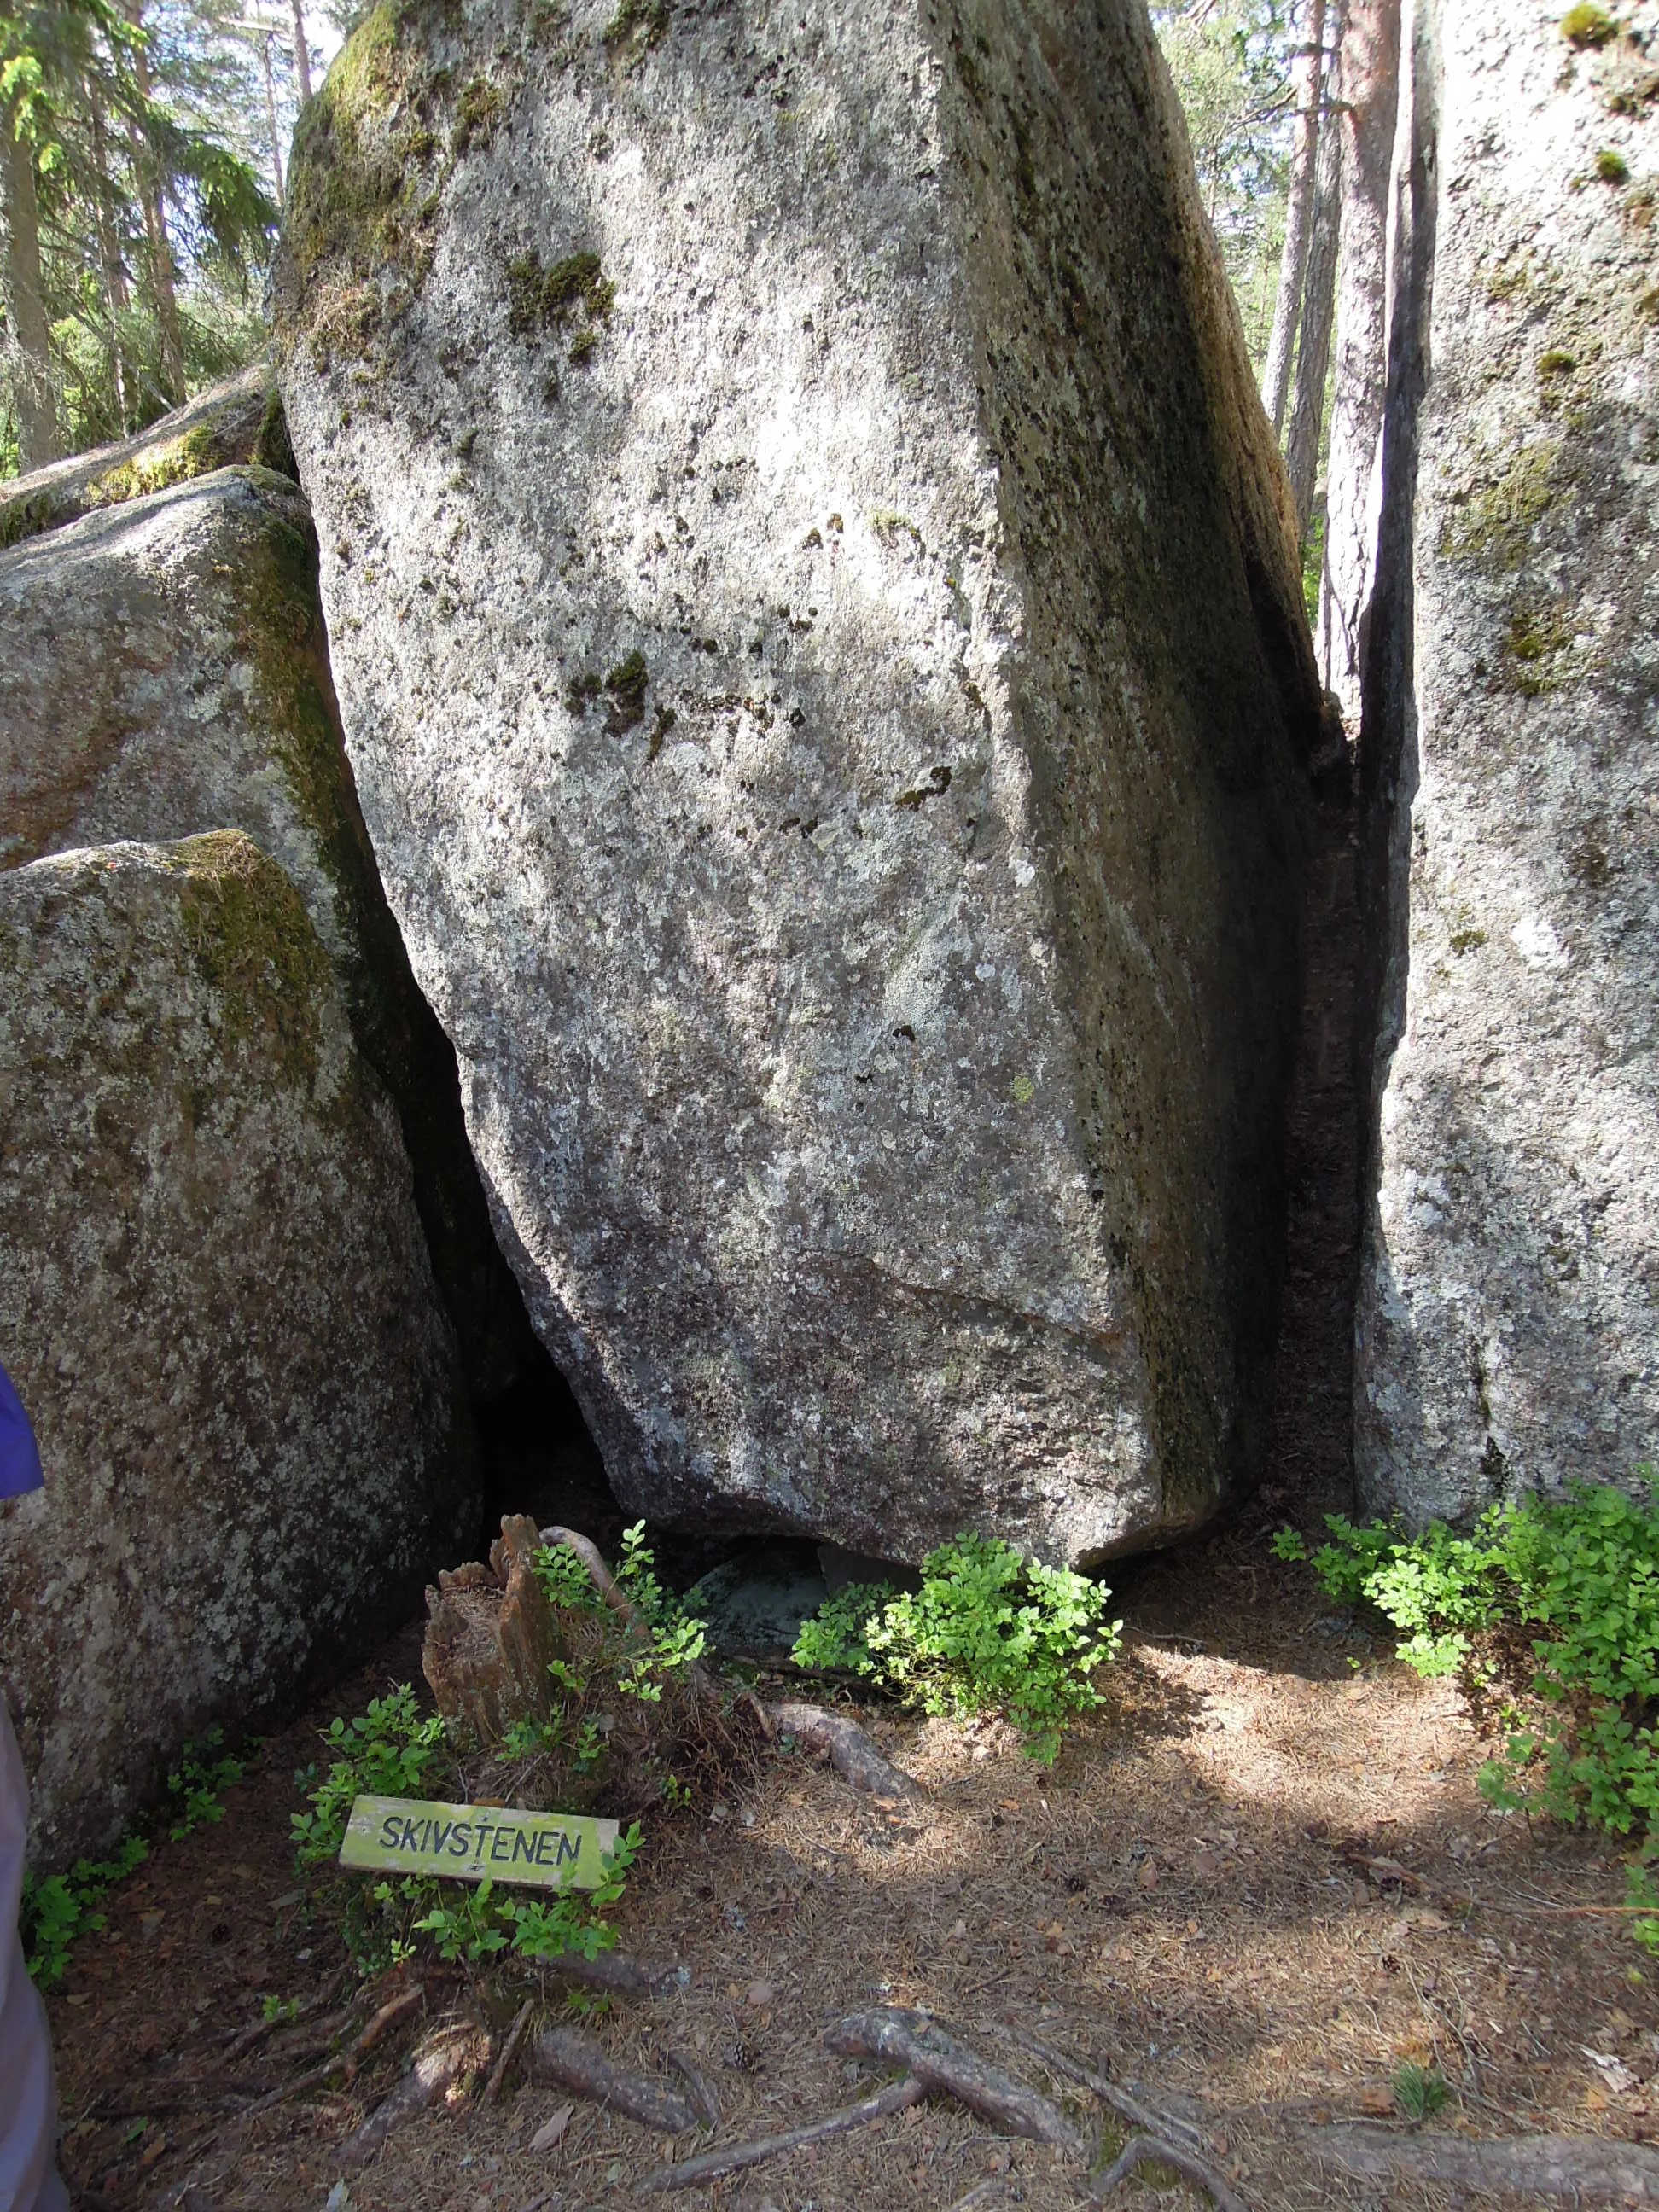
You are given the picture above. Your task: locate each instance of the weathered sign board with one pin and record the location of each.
(477, 1843)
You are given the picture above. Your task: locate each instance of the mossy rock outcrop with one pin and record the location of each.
(238, 420)
(216, 1304)
(168, 674)
(823, 658)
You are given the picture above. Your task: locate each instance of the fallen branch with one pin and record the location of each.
(570, 2058)
(850, 1751)
(939, 2063)
(435, 2071)
(716, 2165)
(1140, 2150)
(1580, 2169)
(498, 2072)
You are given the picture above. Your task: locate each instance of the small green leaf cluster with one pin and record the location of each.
(476, 1924)
(667, 1640)
(388, 1751)
(989, 1631)
(58, 1909)
(196, 1785)
(1418, 2091)
(1583, 1572)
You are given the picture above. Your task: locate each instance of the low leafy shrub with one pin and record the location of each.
(392, 1749)
(196, 1785)
(989, 1631)
(58, 1909)
(1575, 1583)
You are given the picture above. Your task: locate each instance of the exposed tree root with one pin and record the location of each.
(713, 2166)
(1578, 2169)
(850, 1751)
(940, 2063)
(618, 1974)
(702, 2096)
(570, 2058)
(1142, 2148)
(346, 2062)
(1125, 2105)
(435, 2070)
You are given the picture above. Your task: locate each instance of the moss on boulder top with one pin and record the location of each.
(238, 420)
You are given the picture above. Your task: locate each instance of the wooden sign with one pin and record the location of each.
(477, 1843)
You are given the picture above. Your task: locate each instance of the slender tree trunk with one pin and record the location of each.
(1371, 86)
(301, 50)
(152, 200)
(116, 293)
(37, 410)
(1276, 377)
(1313, 359)
(270, 114)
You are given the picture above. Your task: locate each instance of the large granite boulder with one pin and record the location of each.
(166, 674)
(217, 1305)
(823, 661)
(1509, 1323)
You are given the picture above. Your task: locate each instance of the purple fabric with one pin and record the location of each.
(19, 1459)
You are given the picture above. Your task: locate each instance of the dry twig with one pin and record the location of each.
(713, 2166)
(347, 2061)
(516, 2037)
(911, 2039)
(570, 2058)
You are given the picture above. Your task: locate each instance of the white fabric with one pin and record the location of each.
(29, 2180)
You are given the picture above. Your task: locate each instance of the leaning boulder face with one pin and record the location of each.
(217, 1304)
(168, 674)
(1509, 1327)
(824, 664)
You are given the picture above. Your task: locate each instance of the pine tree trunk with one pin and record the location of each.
(152, 200)
(37, 411)
(1370, 87)
(301, 52)
(116, 294)
(270, 115)
(1313, 359)
(1287, 308)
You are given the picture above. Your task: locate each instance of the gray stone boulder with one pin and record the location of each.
(823, 661)
(166, 675)
(1509, 1322)
(217, 1305)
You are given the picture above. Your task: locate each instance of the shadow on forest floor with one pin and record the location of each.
(1185, 1896)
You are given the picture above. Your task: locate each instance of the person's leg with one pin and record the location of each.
(29, 2181)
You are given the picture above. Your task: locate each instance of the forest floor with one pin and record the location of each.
(1258, 1881)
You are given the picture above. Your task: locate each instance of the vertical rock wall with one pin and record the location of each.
(1508, 1324)
(823, 660)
